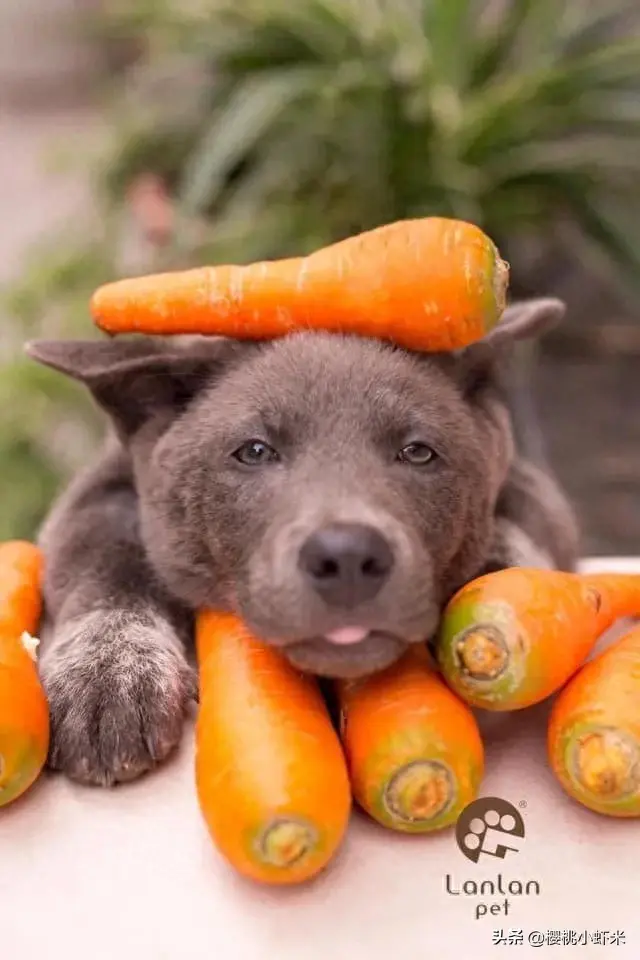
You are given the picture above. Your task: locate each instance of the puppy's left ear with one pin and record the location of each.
(526, 320)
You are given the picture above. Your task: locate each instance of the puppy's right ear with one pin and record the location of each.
(137, 381)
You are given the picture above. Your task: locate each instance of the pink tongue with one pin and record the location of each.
(347, 635)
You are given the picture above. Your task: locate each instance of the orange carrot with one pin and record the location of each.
(270, 772)
(594, 731)
(509, 639)
(431, 284)
(414, 750)
(24, 713)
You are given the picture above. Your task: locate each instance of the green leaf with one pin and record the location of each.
(28, 484)
(234, 132)
(494, 50)
(447, 26)
(594, 28)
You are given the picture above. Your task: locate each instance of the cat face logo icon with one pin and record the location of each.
(489, 826)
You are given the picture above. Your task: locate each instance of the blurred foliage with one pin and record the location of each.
(278, 126)
(288, 125)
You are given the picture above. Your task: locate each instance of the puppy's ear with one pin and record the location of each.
(137, 381)
(527, 320)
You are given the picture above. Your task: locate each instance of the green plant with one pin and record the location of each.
(280, 126)
(323, 117)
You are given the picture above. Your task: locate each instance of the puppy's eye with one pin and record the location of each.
(254, 453)
(417, 454)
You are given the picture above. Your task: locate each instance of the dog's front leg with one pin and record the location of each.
(113, 661)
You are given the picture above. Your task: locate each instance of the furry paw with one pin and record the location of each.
(118, 686)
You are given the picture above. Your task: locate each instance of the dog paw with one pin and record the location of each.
(118, 686)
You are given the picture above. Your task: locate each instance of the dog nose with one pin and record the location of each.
(346, 563)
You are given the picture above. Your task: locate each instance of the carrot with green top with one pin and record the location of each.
(512, 638)
(432, 284)
(414, 750)
(24, 712)
(594, 731)
(270, 772)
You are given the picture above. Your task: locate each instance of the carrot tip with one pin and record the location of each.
(284, 842)
(419, 791)
(500, 284)
(607, 764)
(482, 652)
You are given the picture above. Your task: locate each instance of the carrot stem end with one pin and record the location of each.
(283, 842)
(482, 653)
(607, 764)
(500, 284)
(419, 792)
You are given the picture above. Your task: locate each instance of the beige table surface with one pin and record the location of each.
(130, 874)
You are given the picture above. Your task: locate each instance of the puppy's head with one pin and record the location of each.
(332, 491)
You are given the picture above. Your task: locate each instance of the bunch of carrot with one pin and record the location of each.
(511, 639)
(275, 779)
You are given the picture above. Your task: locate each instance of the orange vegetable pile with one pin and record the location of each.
(274, 777)
(24, 714)
(513, 638)
(275, 781)
(431, 284)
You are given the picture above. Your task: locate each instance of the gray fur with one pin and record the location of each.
(167, 520)
(119, 685)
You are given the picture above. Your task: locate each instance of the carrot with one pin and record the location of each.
(24, 714)
(509, 639)
(270, 772)
(594, 731)
(431, 284)
(414, 750)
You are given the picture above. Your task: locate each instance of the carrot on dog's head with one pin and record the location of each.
(432, 285)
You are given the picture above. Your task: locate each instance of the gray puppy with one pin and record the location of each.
(333, 491)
